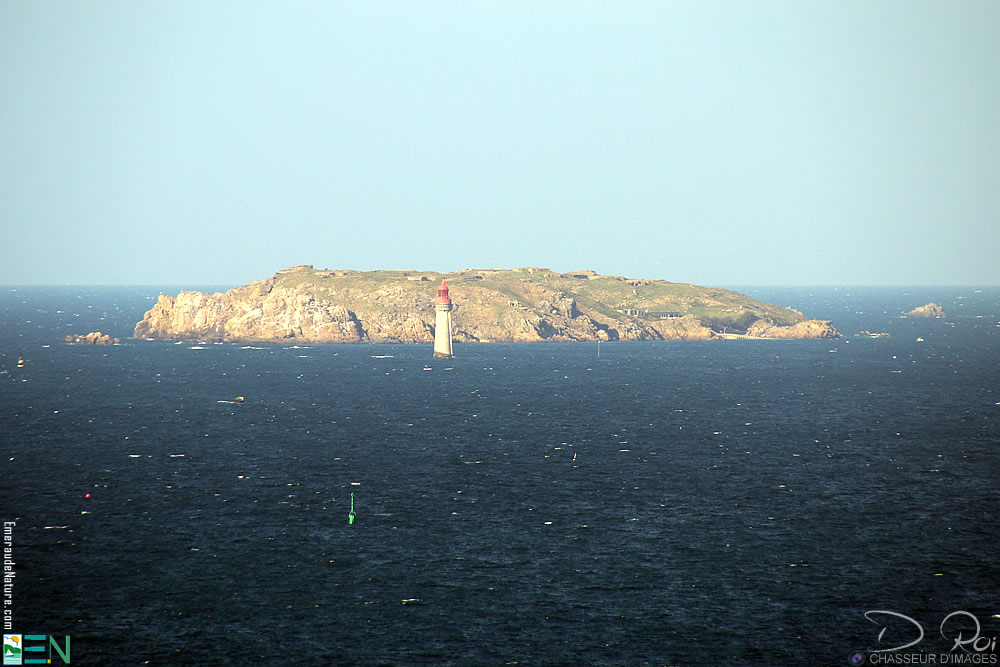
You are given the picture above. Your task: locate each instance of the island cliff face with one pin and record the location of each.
(305, 305)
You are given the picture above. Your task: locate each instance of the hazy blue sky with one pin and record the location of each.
(725, 143)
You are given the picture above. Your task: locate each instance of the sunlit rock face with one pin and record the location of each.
(927, 310)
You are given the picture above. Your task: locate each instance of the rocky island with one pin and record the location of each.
(301, 304)
(93, 338)
(927, 310)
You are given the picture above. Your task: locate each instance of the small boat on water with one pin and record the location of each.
(238, 399)
(20, 361)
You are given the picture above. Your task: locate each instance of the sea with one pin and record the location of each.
(746, 502)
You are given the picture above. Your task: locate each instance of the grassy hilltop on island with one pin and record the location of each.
(530, 304)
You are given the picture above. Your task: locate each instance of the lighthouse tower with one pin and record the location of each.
(442, 322)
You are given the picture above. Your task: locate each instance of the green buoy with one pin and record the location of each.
(351, 515)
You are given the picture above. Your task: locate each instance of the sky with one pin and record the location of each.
(767, 142)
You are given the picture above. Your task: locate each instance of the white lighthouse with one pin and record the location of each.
(442, 322)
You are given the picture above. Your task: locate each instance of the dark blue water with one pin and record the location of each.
(739, 502)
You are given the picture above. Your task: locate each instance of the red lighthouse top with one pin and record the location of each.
(443, 292)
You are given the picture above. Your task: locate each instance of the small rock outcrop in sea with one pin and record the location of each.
(93, 338)
(803, 329)
(927, 310)
(301, 304)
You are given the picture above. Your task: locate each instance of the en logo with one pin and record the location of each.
(30, 649)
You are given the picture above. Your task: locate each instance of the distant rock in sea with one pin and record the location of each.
(927, 310)
(301, 304)
(93, 338)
